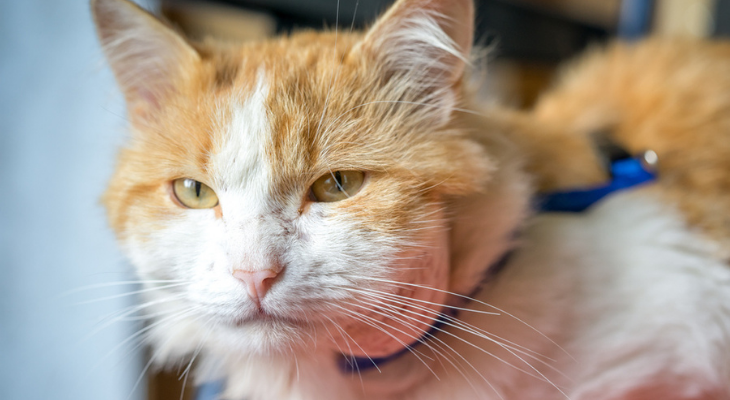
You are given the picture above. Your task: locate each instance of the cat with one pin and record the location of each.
(333, 216)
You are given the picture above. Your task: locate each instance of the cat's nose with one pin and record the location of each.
(257, 282)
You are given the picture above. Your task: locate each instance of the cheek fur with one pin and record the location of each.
(396, 311)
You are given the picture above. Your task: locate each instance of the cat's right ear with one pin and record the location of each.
(147, 57)
(434, 36)
(426, 45)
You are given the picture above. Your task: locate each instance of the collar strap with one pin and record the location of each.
(625, 173)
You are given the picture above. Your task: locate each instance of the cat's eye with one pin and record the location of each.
(193, 194)
(337, 185)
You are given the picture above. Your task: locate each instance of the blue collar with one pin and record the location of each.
(625, 173)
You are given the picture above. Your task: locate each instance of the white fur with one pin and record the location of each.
(670, 304)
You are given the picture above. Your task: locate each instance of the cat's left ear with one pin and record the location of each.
(148, 58)
(428, 41)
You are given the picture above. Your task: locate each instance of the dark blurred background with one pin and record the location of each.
(64, 333)
(528, 37)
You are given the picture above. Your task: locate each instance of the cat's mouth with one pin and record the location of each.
(260, 316)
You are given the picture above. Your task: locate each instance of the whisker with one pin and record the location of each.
(145, 290)
(149, 363)
(337, 72)
(120, 283)
(351, 361)
(141, 375)
(457, 324)
(451, 334)
(416, 331)
(476, 331)
(478, 302)
(360, 316)
(128, 311)
(182, 314)
(482, 350)
(426, 301)
(339, 349)
(451, 349)
(467, 327)
(186, 373)
(356, 344)
(296, 360)
(354, 14)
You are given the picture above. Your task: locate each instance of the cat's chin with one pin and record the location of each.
(262, 333)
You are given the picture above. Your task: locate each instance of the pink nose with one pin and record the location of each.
(257, 282)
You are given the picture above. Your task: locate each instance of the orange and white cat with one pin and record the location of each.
(310, 199)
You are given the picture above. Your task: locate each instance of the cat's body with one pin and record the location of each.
(266, 276)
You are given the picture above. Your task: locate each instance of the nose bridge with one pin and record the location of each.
(255, 232)
(253, 251)
(251, 245)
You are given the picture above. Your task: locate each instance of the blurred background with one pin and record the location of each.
(67, 322)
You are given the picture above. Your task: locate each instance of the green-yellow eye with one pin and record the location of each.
(194, 194)
(337, 185)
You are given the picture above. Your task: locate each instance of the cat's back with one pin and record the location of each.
(639, 79)
(671, 96)
(652, 319)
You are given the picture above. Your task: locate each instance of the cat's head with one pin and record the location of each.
(295, 188)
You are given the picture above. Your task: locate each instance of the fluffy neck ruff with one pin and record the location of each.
(625, 173)
(352, 364)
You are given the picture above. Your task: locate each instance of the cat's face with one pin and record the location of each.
(294, 190)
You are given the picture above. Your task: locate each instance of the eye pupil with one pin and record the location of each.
(338, 180)
(197, 188)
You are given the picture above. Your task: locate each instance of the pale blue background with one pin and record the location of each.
(60, 123)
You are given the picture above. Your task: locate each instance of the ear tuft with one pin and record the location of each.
(431, 36)
(147, 57)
